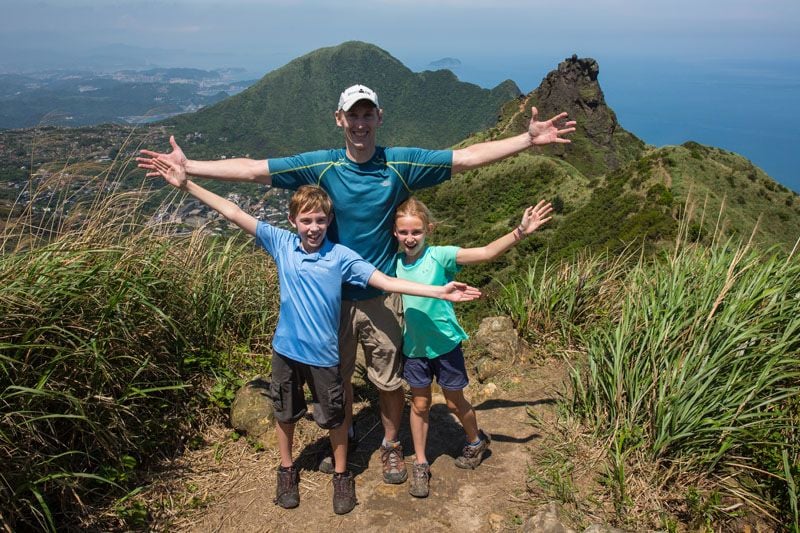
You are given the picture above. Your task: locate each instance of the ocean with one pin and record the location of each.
(748, 107)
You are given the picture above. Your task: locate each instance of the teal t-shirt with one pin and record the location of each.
(431, 328)
(365, 195)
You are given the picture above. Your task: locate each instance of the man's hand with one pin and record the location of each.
(549, 131)
(534, 216)
(174, 173)
(175, 157)
(455, 291)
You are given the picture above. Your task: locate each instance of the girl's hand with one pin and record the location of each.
(535, 216)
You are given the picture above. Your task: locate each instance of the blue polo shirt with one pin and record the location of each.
(310, 292)
(365, 195)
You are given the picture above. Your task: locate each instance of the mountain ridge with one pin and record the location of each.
(287, 110)
(608, 186)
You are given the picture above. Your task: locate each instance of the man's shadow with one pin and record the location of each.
(445, 435)
(368, 429)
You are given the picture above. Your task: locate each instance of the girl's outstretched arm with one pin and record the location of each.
(532, 218)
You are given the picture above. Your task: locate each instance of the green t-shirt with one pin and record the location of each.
(431, 327)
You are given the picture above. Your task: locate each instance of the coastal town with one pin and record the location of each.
(53, 173)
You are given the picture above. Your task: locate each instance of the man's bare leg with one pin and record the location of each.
(391, 406)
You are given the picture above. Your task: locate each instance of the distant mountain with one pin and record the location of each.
(291, 108)
(445, 62)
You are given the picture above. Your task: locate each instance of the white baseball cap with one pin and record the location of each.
(353, 94)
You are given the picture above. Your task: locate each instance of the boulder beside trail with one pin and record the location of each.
(494, 347)
(251, 411)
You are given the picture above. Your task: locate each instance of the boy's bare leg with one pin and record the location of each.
(348, 398)
(420, 413)
(459, 406)
(285, 433)
(338, 436)
(391, 406)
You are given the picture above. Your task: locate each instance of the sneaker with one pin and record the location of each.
(394, 467)
(287, 492)
(420, 480)
(471, 456)
(327, 465)
(344, 492)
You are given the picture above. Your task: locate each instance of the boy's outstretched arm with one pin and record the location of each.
(239, 169)
(539, 133)
(175, 175)
(455, 291)
(532, 218)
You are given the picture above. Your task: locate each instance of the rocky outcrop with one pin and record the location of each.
(600, 144)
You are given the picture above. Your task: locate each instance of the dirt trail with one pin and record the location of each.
(240, 486)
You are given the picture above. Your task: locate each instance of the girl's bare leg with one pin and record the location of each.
(420, 411)
(460, 407)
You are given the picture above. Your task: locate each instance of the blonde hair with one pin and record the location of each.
(310, 198)
(414, 208)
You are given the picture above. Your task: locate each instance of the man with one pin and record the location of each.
(367, 182)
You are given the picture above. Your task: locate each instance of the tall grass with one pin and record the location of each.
(690, 357)
(703, 365)
(108, 325)
(563, 298)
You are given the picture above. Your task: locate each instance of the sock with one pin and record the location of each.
(387, 443)
(473, 444)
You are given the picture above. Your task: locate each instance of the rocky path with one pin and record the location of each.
(239, 486)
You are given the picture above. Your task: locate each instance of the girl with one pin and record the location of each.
(432, 336)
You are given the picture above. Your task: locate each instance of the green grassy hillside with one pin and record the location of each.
(291, 109)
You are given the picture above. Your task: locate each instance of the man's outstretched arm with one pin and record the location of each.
(240, 169)
(539, 133)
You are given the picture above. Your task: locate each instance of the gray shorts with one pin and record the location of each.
(377, 323)
(288, 398)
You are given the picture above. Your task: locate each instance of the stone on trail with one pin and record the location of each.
(251, 411)
(496, 345)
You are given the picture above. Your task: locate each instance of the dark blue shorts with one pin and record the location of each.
(449, 369)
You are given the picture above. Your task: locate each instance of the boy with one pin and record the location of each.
(311, 270)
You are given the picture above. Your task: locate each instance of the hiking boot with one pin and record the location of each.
(471, 456)
(420, 480)
(287, 492)
(394, 467)
(327, 464)
(344, 492)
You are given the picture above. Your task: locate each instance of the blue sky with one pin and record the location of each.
(724, 73)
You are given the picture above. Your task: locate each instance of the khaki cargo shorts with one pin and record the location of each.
(376, 323)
